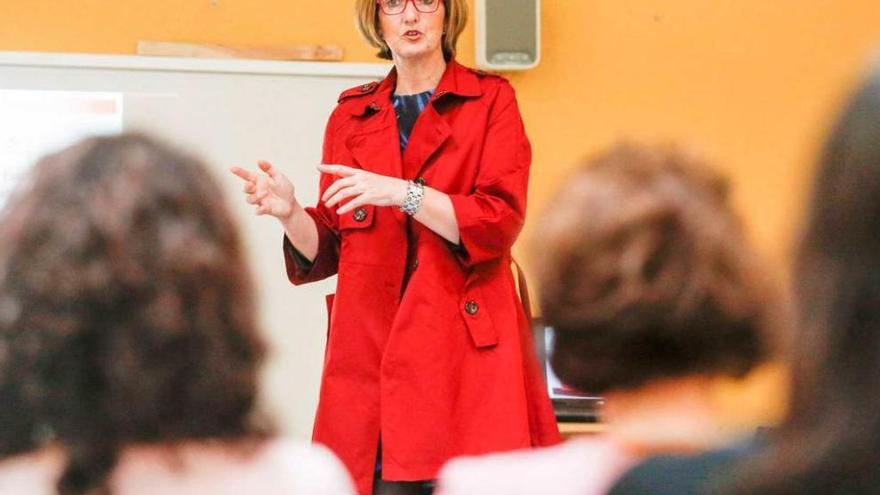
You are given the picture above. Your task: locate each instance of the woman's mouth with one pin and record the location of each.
(412, 35)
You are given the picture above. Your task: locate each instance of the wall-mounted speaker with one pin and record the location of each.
(508, 34)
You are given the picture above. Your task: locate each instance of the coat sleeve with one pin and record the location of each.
(491, 217)
(326, 262)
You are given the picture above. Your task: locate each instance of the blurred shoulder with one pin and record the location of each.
(31, 474)
(581, 466)
(268, 467)
(309, 468)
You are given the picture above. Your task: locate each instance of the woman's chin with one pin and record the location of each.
(415, 52)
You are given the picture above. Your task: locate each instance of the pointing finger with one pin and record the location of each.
(243, 173)
(337, 170)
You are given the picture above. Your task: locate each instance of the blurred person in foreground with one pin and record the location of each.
(652, 292)
(128, 335)
(830, 441)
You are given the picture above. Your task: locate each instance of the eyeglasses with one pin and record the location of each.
(395, 7)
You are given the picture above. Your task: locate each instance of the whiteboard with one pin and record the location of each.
(33, 122)
(232, 112)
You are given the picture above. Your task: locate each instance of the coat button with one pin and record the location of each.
(360, 214)
(471, 307)
(374, 106)
(366, 88)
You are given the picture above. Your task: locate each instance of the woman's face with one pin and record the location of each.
(413, 34)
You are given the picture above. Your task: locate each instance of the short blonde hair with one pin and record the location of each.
(453, 24)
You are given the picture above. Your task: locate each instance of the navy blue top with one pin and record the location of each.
(408, 108)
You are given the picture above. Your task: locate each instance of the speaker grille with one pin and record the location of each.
(511, 31)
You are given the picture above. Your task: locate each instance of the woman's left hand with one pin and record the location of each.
(362, 187)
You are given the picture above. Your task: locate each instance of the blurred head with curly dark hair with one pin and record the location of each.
(645, 274)
(126, 312)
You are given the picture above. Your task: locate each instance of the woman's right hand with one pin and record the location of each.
(271, 192)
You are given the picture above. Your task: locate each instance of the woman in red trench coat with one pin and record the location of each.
(429, 354)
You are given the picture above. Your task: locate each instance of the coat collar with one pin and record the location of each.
(456, 80)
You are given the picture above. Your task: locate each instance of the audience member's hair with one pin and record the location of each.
(645, 274)
(17, 426)
(830, 442)
(126, 314)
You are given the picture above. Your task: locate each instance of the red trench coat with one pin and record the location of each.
(444, 366)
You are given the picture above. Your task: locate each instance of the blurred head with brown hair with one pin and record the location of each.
(126, 313)
(645, 274)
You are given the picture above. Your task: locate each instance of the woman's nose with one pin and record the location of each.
(410, 12)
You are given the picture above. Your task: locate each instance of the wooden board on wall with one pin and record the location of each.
(296, 52)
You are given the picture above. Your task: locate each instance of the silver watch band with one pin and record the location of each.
(415, 192)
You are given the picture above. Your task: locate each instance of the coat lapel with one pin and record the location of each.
(375, 146)
(433, 128)
(428, 135)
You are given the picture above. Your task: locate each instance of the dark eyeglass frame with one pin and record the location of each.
(415, 4)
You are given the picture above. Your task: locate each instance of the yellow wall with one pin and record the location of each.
(750, 82)
(102, 26)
